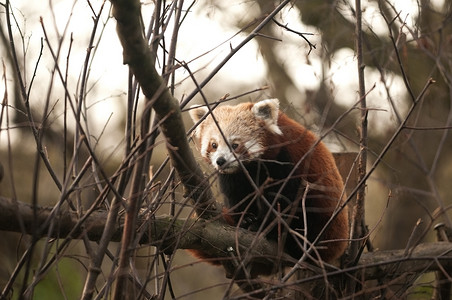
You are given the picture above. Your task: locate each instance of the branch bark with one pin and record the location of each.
(166, 232)
(358, 228)
(214, 238)
(139, 58)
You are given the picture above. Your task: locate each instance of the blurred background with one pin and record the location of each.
(68, 53)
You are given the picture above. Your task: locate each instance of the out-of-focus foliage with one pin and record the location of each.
(405, 44)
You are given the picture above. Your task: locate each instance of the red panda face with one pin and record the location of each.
(235, 132)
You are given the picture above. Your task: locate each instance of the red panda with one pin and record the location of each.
(276, 177)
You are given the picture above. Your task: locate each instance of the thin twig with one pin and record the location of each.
(358, 226)
(233, 51)
(302, 34)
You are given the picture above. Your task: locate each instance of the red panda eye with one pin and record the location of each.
(234, 146)
(214, 145)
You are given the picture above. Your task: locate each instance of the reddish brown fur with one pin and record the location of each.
(319, 168)
(315, 166)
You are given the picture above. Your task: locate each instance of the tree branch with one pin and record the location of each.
(214, 238)
(166, 232)
(139, 58)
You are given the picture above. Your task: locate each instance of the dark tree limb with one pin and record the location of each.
(139, 58)
(167, 232)
(214, 238)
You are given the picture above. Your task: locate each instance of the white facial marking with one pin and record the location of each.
(204, 148)
(230, 164)
(244, 131)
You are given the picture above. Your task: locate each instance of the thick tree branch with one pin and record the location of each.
(139, 58)
(214, 238)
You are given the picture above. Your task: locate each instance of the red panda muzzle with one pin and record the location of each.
(221, 161)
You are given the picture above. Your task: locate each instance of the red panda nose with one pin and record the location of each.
(221, 161)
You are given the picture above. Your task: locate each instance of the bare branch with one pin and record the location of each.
(358, 223)
(302, 34)
(214, 237)
(139, 58)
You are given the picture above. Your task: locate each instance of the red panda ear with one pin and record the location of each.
(197, 112)
(268, 111)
